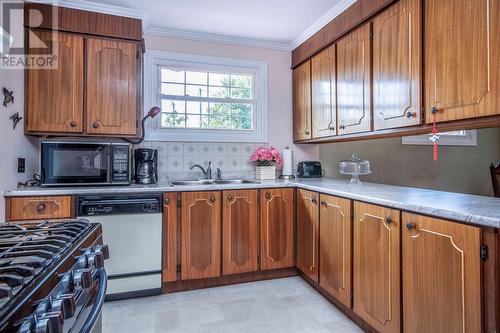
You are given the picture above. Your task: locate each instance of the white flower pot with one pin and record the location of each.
(265, 172)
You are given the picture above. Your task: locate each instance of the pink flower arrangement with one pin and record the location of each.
(264, 156)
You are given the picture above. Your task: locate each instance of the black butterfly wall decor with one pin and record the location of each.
(8, 96)
(15, 119)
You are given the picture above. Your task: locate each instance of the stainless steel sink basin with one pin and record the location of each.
(203, 182)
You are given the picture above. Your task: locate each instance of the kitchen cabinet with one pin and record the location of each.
(354, 82)
(170, 233)
(239, 231)
(307, 233)
(54, 97)
(462, 48)
(323, 94)
(441, 275)
(376, 271)
(276, 233)
(335, 232)
(397, 66)
(201, 235)
(302, 102)
(39, 208)
(111, 87)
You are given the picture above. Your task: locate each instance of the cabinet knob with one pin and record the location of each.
(323, 203)
(268, 195)
(41, 207)
(307, 132)
(410, 226)
(410, 114)
(72, 123)
(342, 127)
(314, 201)
(434, 109)
(166, 201)
(212, 198)
(229, 197)
(95, 124)
(388, 220)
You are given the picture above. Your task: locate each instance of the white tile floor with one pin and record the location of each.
(282, 305)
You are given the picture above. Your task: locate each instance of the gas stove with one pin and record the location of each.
(50, 274)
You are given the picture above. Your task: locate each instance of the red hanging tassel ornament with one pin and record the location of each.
(435, 137)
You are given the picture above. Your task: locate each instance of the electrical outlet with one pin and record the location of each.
(21, 165)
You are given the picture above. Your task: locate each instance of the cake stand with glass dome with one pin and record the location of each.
(355, 167)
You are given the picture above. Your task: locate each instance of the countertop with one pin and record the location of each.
(472, 209)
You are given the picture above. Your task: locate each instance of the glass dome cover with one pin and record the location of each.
(355, 167)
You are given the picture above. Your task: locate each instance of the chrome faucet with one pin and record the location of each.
(207, 173)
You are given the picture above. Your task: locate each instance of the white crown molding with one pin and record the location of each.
(214, 38)
(324, 20)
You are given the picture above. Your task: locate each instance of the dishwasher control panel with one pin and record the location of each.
(119, 205)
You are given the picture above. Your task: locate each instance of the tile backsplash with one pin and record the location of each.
(175, 158)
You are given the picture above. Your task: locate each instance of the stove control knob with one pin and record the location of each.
(51, 322)
(65, 304)
(104, 249)
(95, 260)
(82, 278)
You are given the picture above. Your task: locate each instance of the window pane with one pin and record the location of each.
(240, 93)
(231, 116)
(219, 92)
(196, 77)
(168, 105)
(241, 110)
(197, 107)
(216, 79)
(242, 81)
(196, 91)
(172, 120)
(172, 89)
(172, 75)
(193, 121)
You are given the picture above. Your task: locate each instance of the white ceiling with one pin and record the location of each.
(281, 24)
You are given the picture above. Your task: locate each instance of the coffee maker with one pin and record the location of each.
(146, 161)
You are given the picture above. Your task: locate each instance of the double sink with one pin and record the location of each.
(203, 182)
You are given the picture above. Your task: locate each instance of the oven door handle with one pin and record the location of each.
(95, 312)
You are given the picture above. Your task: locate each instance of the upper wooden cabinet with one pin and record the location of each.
(354, 82)
(302, 102)
(111, 87)
(276, 234)
(239, 236)
(441, 276)
(307, 233)
(323, 94)
(335, 252)
(54, 97)
(377, 266)
(397, 66)
(201, 235)
(462, 48)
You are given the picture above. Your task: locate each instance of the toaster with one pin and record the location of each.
(309, 169)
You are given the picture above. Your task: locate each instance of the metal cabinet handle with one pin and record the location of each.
(41, 207)
(167, 201)
(410, 226)
(268, 195)
(434, 109)
(342, 127)
(229, 197)
(307, 132)
(410, 114)
(72, 123)
(95, 124)
(388, 220)
(212, 198)
(314, 201)
(323, 203)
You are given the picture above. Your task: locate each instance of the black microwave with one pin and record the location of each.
(84, 163)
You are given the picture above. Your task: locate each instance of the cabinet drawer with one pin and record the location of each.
(37, 208)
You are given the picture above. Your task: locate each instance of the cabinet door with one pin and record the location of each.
(376, 266)
(335, 247)
(397, 66)
(55, 96)
(462, 48)
(324, 105)
(170, 233)
(276, 216)
(307, 233)
(111, 87)
(201, 235)
(353, 82)
(239, 237)
(441, 276)
(302, 102)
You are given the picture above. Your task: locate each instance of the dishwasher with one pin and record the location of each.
(132, 228)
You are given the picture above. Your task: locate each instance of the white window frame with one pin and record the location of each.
(469, 139)
(152, 87)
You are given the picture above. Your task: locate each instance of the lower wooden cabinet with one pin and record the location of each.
(201, 235)
(335, 247)
(38, 208)
(377, 266)
(170, 233)
(239, 231)
(441, 275)
(276, 234)
(307, 233)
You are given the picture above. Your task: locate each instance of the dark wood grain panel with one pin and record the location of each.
(169, 246)
(81, 21)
